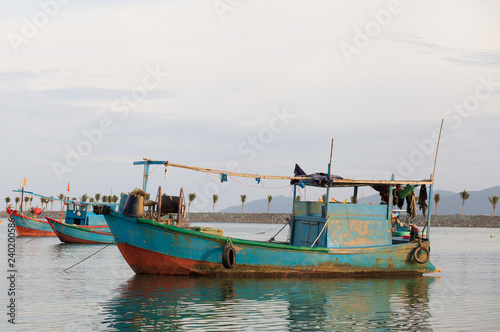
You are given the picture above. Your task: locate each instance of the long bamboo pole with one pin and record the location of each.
(333, 182)
(437, 149)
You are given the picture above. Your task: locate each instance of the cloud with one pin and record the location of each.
(483, 58)
(95, 94)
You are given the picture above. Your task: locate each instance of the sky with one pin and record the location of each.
(89, 87)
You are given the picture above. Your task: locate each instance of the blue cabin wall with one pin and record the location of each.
(357, 225)
(86, 217)
(349, 225)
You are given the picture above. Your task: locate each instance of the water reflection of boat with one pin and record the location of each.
(170, 303)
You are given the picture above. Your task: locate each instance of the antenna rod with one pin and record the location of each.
(331, 153)
(437, 149)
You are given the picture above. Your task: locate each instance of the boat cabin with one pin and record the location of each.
(343, 226)
(346, 225)
(82, 214)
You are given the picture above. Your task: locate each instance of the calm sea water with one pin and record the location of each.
(103, 293)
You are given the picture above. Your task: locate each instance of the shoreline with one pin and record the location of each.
(481, 221)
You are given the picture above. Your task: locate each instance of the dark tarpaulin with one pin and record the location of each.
(315, 179)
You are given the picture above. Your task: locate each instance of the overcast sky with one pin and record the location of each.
(87, 88)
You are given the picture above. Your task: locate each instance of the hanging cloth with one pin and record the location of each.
(411, 207)
(402, 193)
(422, 199)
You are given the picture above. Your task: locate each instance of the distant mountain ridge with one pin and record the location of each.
(450, 203)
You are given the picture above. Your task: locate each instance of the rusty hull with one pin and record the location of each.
(153, 248)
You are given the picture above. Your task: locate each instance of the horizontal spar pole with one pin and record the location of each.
(243, 175)
(333, 182)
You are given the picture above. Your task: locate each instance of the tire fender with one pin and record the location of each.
(418, 258)
(228, 257)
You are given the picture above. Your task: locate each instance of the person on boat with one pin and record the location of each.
(414, 233)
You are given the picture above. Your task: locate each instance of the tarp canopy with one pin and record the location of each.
(315, 179)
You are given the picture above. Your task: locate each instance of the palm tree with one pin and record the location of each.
(115, 198)
(437, 198)
(26, 200)
(51, 204)
(97, 198)
(104, 199)
(465, 196)
(92, 199)
(61, 197)
(17, 201)
(297, 198)
(269, 199)
(493, 201)
(85, 197)
(323, 197)
(31, 200)
(243, 200)
(44, 201)
(191, 196)
(215, 198)
(7, 201)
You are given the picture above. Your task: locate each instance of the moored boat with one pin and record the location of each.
(71, 233)
(29, 225)
(82, 225)
(326, 238)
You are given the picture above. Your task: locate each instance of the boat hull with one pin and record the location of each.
(27, 226)
(153, 248)
(81, 234)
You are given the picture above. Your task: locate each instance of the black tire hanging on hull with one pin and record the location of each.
(228, 257)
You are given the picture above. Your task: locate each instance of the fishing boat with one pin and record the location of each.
(29, 224)
(78, 214)
(80, 234)
(326, 238)
(82, 225)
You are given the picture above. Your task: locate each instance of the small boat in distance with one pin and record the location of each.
(81, 234)
(29, 225)
(326, 238)
(82, 225)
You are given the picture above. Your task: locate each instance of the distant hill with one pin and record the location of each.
(450, 203)
(279, 204)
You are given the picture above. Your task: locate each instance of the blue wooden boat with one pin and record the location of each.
(82, 225)
(29, 225)
(78, 214)
(326, 239)
(71, 233)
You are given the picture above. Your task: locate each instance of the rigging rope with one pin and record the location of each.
(88, 257)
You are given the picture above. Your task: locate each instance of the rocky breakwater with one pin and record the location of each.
(50, 214)
(460, 221)
(280, 218)
(261, 218)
